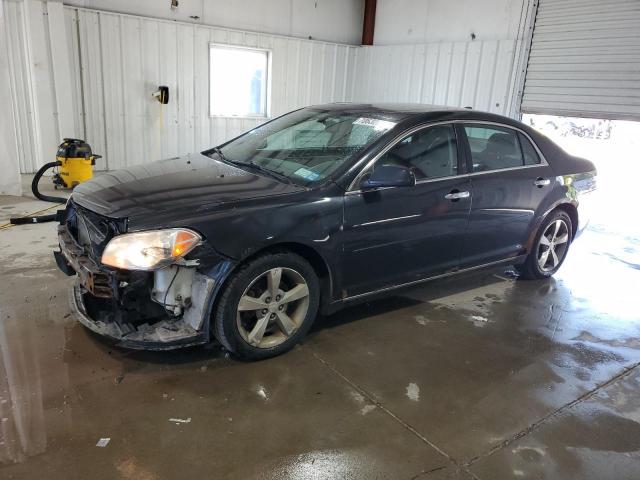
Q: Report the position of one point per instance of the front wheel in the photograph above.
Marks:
(268, 306)
(551, 246)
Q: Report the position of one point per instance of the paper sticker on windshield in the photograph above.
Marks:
(375, 123)
(307, 174)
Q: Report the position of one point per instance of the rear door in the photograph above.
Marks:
(398, 235)
(509, 181)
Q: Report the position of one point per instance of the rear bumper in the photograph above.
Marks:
(581, 190)
(585, 209)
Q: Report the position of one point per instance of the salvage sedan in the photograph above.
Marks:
(320, 208)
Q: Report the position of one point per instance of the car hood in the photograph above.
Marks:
(190, 183)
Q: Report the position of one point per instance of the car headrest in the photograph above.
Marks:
(500, 143)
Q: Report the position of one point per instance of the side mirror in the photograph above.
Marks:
(388, 176)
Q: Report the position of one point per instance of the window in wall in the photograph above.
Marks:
(238, 81)
(429, 153)
(494, 148)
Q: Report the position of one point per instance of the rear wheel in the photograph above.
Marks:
(551, 246)
(268, 306)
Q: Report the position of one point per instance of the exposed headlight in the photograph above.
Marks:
(149, 250)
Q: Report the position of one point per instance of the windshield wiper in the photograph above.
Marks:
(218, 152)
(266, 170)
(253, 165)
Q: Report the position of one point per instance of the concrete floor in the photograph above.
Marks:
(476, 377)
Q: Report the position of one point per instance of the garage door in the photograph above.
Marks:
(585, 59)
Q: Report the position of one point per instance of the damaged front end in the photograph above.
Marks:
(162, 305)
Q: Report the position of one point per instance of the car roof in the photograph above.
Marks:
(399, 112)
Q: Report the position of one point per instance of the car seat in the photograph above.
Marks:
(501, 152)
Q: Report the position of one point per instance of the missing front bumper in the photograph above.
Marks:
(72, 259)
(128, 306)
(162, 335)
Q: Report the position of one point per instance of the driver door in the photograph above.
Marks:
(399, 235)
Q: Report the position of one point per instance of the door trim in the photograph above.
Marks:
(418, 182)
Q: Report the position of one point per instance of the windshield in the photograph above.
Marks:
(306, 146)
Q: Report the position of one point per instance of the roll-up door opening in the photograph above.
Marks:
(613, 146)
(584, 60)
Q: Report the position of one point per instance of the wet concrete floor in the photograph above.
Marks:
(476, 377)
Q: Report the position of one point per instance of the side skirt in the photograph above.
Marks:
(362, 296)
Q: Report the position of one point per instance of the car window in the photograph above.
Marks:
(530, 155)
(429, 153)
(493, 148)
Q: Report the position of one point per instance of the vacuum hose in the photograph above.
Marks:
(40, 196)
(36, 180)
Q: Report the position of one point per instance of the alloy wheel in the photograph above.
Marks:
(272, 307)
(553, 245)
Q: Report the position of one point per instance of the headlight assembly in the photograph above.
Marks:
(149, 250)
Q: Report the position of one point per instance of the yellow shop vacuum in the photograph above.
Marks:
(74, 165)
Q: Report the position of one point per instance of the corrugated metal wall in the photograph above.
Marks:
(585, 59)
(124, 58)
(476, 74)
(90, 74)
(32, 80)
(115, 63)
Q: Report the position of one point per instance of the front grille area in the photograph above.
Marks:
(91, 230)
(98, 282)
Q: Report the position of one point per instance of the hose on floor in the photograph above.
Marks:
(40, 196)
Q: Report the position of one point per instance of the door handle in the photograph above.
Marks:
(455, 195)
(541, 182)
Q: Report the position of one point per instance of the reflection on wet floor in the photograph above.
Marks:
(483, 375)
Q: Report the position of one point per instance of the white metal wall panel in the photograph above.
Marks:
(114, 62)
(43, 113)
(477, 74)
(40, 72)
(61, 70)
(9, 179)
(100, 87)
(585, 59)
(124, 58)
(21, 85)
(75, 85)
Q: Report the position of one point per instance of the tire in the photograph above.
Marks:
(244, 329)
(532, 269)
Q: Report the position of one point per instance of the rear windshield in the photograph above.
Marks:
(308, 145)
